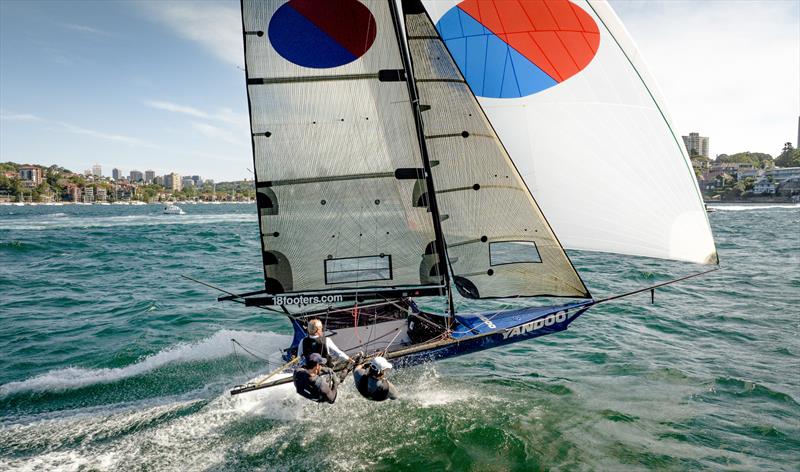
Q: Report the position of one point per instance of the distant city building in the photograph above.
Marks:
(779, 174)
(696, 145)
(87, 172)
(198, 182)
(97, 170)
(149, 176)
(764, 186)
(136, 176)
(734, 169)
(116, 174)
(187, 182)
(159, 180)
(73, 193)
(173, 182)
(31, 174)
(124, 192)
(88, 195)
(789, 187)
(745, 173)
(102, 195)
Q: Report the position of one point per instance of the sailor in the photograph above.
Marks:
(371, 381)
(315, 381)
(317, 342)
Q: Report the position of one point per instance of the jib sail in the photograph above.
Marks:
(499, 243)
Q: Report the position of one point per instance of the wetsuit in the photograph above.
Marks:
(372, 388)
(319, 388)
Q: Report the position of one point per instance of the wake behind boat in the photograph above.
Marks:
(380, 180)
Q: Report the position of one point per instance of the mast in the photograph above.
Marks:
(441, 247)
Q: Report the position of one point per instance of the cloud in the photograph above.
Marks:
(175, 108)
(27, 117)
(100, 135)
(216, 27)
(727, 69)
(19, 117)
(85, 29)
(217, 133)
(224, 115)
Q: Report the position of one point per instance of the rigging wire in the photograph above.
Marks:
(238, 300)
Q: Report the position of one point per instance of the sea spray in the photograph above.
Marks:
(219, 345)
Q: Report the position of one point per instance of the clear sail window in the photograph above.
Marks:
(358, 269)
(513, 252)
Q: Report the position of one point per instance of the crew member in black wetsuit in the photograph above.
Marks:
(317, 342)
(316, 382)
(371, 381)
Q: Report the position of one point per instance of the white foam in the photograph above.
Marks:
(777, 206)
(217, 346)
(165, 437)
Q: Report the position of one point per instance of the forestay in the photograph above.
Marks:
(568, 93)
(498, 242)
(337, 156)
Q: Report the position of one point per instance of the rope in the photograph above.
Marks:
(294, 360)
(236, 356)
(250, 351)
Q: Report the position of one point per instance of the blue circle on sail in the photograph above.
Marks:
(518, 47)
(322, 35)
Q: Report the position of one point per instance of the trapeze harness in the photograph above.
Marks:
(318, 345)
(380, 394)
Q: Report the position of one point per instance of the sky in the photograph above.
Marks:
(159, 84)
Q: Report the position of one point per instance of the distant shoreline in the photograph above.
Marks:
(752, 200)
(123, 203)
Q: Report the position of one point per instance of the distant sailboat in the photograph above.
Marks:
(380, 178)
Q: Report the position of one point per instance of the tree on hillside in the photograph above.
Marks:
(789, 157)
(757, 159)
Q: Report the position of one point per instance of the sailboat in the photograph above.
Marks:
(383, 143)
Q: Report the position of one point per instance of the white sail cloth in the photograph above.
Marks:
(600, 154)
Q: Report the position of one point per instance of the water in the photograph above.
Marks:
(111, 360)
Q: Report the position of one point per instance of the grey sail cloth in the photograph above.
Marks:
(327, 144)
(498, 242)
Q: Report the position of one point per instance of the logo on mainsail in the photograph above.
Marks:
(515, 48)
(322, 35)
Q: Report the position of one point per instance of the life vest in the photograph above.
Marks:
(318, 345)
(305, 386)
(379, 395)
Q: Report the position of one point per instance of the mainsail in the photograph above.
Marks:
(338, 164)
(568, 93)
(498, 242)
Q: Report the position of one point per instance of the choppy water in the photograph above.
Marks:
(112, 361)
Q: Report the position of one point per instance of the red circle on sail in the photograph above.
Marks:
(322, 34)
(514, 48)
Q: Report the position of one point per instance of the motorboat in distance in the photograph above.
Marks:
(173, 210)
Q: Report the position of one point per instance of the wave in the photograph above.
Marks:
(59, 222)
(18, 246)
(214, 347)
(776, 206)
